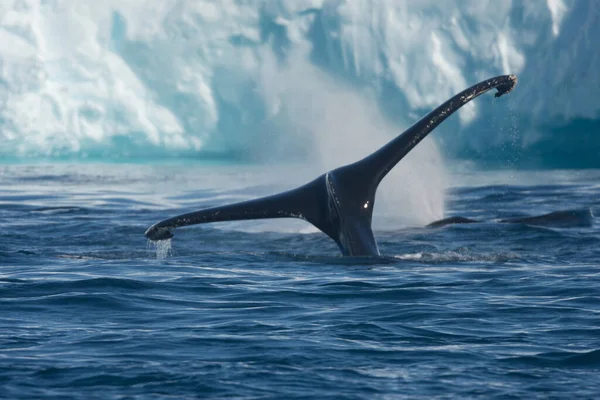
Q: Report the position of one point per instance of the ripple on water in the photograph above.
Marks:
(88, 309)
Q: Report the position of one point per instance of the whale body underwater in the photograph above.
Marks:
(577, 218)
(340, 202)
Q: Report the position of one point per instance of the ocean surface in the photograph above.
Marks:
(257, 310)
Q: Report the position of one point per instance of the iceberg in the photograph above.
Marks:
(277, 80)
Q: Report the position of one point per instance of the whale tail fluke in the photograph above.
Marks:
(340, 202)
(377, 165)
(304, 202)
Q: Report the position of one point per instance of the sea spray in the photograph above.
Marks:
(344, 124)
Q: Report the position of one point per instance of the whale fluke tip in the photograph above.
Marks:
(156, 234)
(508, 87)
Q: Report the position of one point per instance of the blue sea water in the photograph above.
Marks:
(89, 309)
(250, 97)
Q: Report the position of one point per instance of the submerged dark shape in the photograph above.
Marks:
(451, 221)
(557, 219)
(339, 202)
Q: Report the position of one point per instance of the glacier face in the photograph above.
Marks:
(276, 79)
